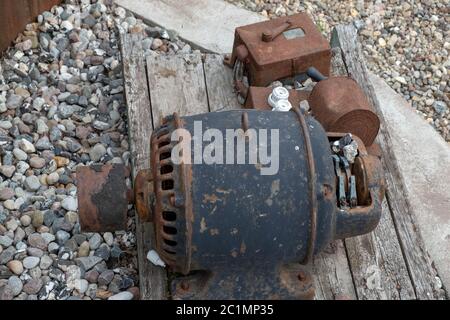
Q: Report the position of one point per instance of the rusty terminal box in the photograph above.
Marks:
(280, 48)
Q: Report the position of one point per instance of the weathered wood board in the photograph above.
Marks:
(152, 279)
(206, 24)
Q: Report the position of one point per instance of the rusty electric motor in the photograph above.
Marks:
(231, 231)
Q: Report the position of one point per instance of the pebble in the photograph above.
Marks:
(32, 183)
(124, 295)
(6, 193)
(105, 277)
(81, 285)
(15, 266)
(7, 170)
(25, 220)
(5, 241)
(52, 178)
(36, 240)
(6, 293)
(70, 203)
(33, 286)
(97, 152)
(37, 163)
(109, 238)
(26, 146)
(83, 250)
(30, 262)
(20, 154)
(45, 262)
(15, 284)
(62, 236)
(95, 241)
(88, 262)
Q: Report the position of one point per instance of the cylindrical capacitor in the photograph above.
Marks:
(340, 105)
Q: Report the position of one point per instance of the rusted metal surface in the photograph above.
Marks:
(340, 105)
(370, 187)
(102, 197)
(143, 194)
(280, 48)
(215, 223)
(312, 178)
(257, 97)
(16, 14)
(173, 205)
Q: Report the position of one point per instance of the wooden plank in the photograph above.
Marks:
(176, 84)
(16, 14)
(377, 263)
(332, 276)
(422, 274)
(219, 84)
(152, 279)
(205, 24)
(424, 158)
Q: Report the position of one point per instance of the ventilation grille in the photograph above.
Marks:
(166, 214)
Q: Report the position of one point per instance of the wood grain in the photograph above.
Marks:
(152, 279)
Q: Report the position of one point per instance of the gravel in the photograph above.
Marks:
(404, 42)
(62, 106)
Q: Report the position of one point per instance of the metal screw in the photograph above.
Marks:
(184, 285)
(301, 276)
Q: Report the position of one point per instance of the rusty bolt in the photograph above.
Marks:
(301, 276)
(184, 285)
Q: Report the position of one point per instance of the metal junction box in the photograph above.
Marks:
(280, 48)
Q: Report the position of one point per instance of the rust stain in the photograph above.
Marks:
(212, 198)
(166, 73)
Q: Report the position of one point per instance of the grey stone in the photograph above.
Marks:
(5, 241)
(43, 144)
(46, 262)
(88, 262)
(36, 240)
(440, 107)
(97, 152)
(33, 286)
(124, 295)
(30, 262)
(37, 162)
(103, 252)
(92, 276)
(14, 101)
(62, 236)
(70, 203)
(49, 217)
(20, 154)
(105, 277)
(53, 247)
(95, 241)
(6, 293)
(15, 284)
(8, 254)
(32, 183)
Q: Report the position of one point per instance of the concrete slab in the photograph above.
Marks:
(423, 158)
(205, 24)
